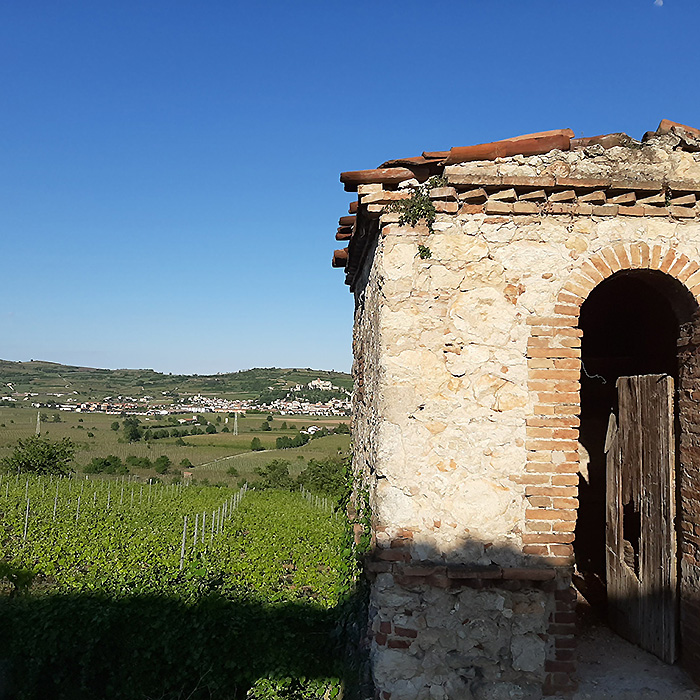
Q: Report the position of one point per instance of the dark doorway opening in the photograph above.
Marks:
(630, 324)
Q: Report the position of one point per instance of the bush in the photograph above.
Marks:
(275, 475)
(40, 455)
(161, 464)
(256, 445)
(106, 465)
(326, 477)
(142, 462)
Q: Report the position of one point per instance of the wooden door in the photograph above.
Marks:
(641, 504)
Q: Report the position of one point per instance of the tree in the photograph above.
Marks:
(161, 464)
(256, 445)
(210, 429)
(39, 455)
(275, 475)
(328, 477)
(132, 429)
(115, 425)
(185, 463)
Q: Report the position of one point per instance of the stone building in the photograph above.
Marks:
(502, 290)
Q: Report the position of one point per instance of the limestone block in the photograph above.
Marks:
(390, 665)
(397, 260)
(394, 505)
(482, 315)
(454, 245)
(528, 653)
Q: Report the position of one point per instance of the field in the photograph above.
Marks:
(211, 454)
(106, 592)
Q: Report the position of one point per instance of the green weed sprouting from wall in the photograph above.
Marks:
(418, 207)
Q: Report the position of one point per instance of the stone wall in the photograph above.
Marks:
(466, 412)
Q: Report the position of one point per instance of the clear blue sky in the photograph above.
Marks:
(169, 170)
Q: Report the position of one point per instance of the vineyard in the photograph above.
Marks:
(130, 590)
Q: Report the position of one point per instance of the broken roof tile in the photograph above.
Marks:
(666, 125)
(526, 145)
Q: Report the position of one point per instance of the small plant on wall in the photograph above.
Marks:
(419, 205)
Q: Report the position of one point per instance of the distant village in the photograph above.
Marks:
(146, 405)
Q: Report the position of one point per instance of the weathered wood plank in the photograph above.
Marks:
(641, 538)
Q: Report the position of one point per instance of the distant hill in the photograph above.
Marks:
(88, 383)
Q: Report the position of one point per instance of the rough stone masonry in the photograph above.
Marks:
(467, 401)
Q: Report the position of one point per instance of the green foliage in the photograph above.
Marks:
(424, 253)
(326, 477)
(254, 612)
(131, 429)
(115, 425)
(419, 205)
(256, 445)
(141, 462)
(161, 464)
(232, 471)
(295, 689)
(106, 465)
(38, 455)
(210, 429)
(185, 463)
(275, 475)
(284, 442)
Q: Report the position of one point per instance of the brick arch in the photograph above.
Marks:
(552, 466)
(554, 365)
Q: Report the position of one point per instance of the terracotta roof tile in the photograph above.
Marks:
(384, 176)
(527, 145)
(392, 172)
(604, 140)
(666, 125)
(340, 257)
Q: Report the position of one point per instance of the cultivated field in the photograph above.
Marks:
(211, 454)
(115, 589)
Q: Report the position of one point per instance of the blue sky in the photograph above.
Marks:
(169, 169)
